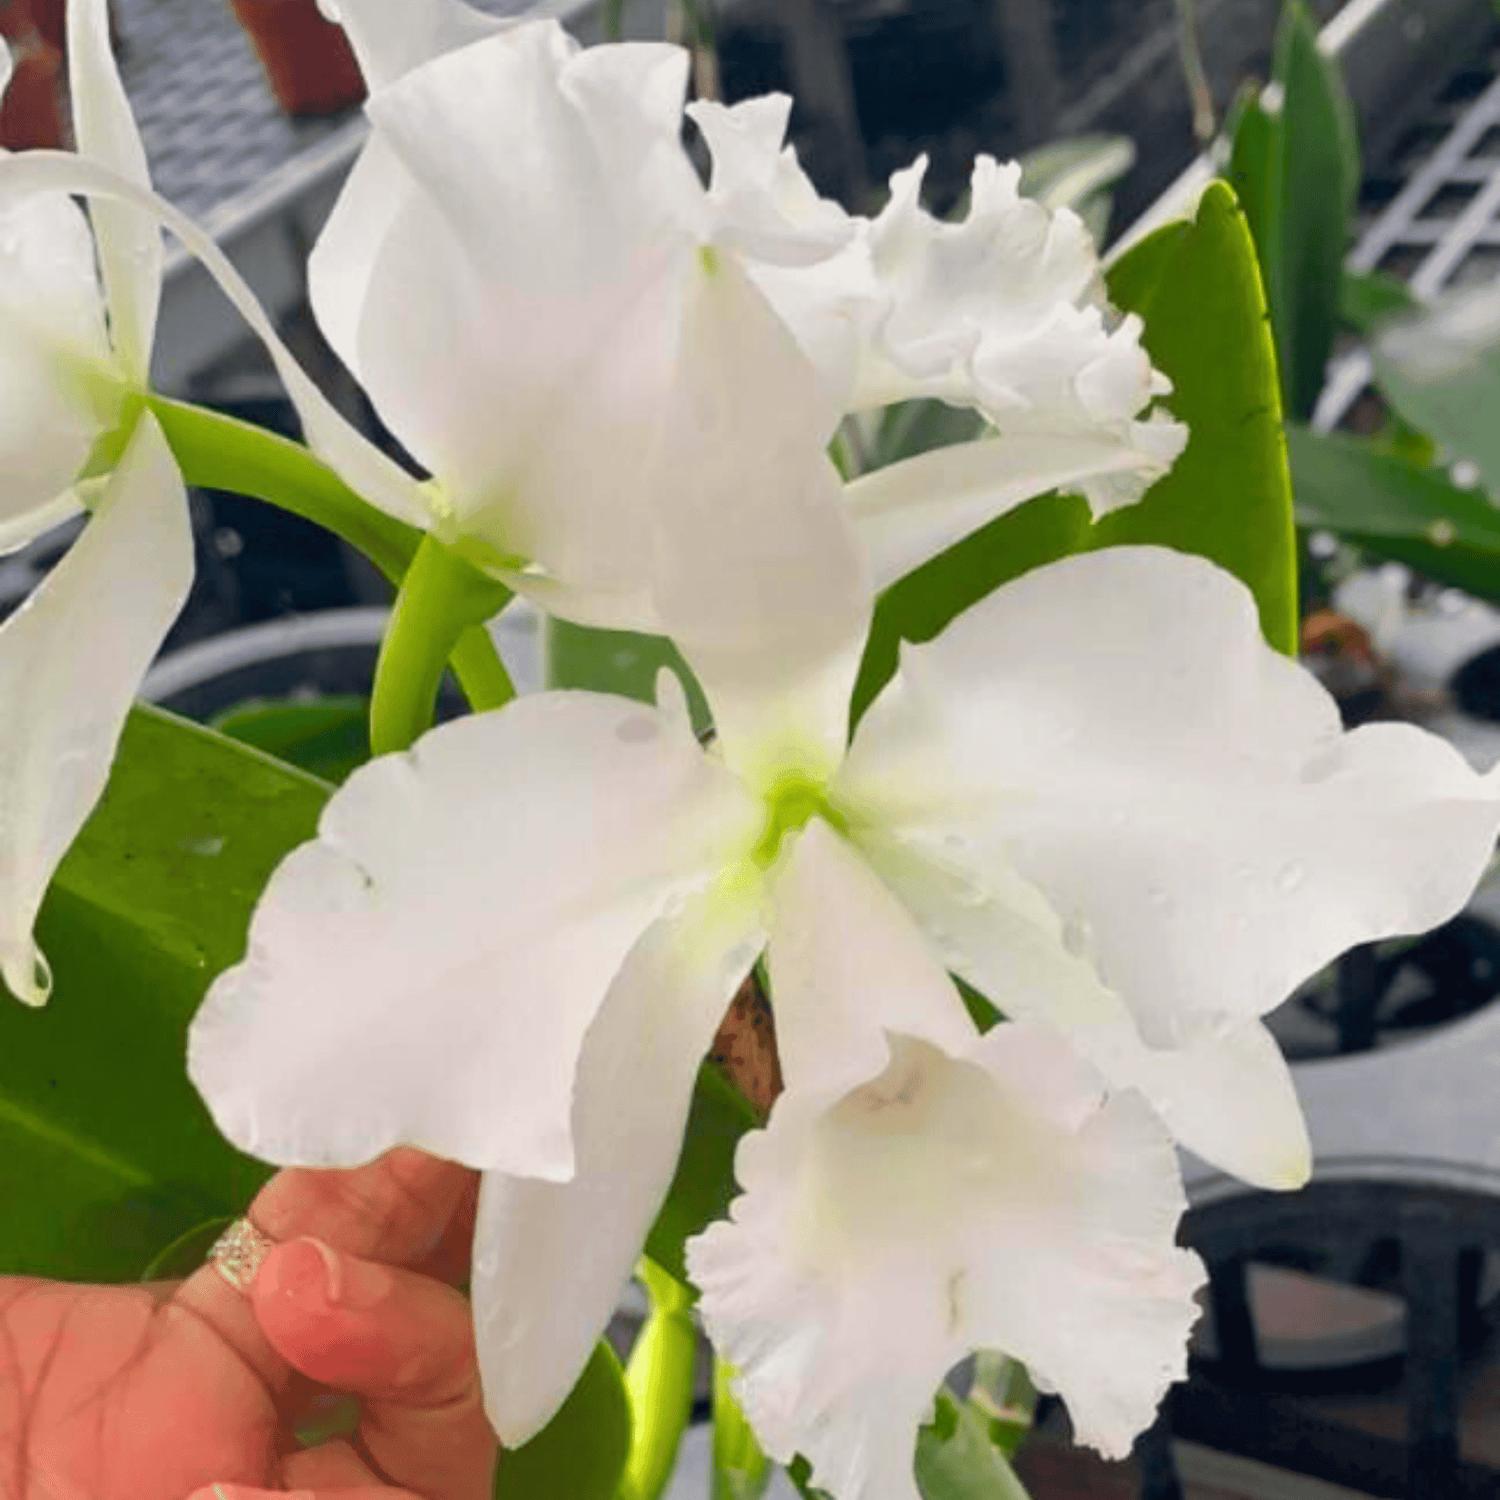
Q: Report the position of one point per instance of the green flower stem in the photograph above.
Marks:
(480, 672)
(223, 453)
(659, 1383)
(741, 1469)
(442, 602)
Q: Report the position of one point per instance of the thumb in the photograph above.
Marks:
(401, 1342)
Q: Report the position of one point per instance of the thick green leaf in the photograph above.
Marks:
(1254, 134)
(1068, 172)
(106, 1152)
(1396, 509)
(922, 603)
(956, 1460)
(704, 1182)
(615, 661)
(326, 737)
(1370, 298)
(581, 1453)
(1314, 179)
(1229, 497)
(1441, 371)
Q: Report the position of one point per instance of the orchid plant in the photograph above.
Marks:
(1017, 895)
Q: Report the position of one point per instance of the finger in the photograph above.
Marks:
(248, 1492)
(332, 1466)
(397, 1209)
(402, 1343)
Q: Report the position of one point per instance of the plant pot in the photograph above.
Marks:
(50, 17)
(29, 113)
(308, 61)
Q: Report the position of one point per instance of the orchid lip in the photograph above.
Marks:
(792, 802)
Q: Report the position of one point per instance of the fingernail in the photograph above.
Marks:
(308, 1269)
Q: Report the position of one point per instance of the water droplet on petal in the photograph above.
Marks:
(1078, 936)
(1289, 878)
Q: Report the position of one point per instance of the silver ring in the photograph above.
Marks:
(238, 1252)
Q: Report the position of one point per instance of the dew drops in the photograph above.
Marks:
(1078, 936)
(1465, 474)
(1441, 533)
(1289, 877)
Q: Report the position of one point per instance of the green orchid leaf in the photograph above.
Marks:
(1069, 172)
(187, 1252)
(704, 1181)
(1254, 135)
(106, 1152)
(616, 661)
(581, 1453)
(918, 606)
(1440, 370)
(326, 737)
(1368, 299)
(1313, 182)
(1397, 510)
(957, 1459)
(1229, 497)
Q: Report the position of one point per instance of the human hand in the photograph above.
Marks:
(122, 1393)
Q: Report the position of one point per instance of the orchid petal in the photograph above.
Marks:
(391, 37)
(758, 573)
(55, 362)
(130, 244)
(342, 261)
(848, 967)
(71, 661)
(361, 464)
(951, 1203)
(910, 511)
(1115, 730)
(551, 1259)
(1226, 1095)
(460, 917)
(514, 329)
(764, 203)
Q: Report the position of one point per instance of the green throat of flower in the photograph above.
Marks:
(790, 804)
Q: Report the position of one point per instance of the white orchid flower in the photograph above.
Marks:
(78, 309)
(922, 1192)
(1004, 312)
(505, 273)
(1099, 796)
(78, 301)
